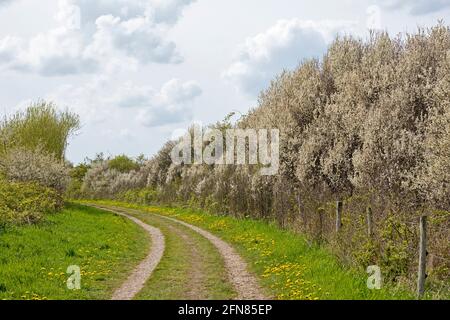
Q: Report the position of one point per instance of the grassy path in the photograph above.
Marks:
(191, 267)
(136, 281)
(34, 259)
(289, 267)
(245, 284)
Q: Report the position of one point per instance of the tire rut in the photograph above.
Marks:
(245, 284)
(196, 277)
(136, 281)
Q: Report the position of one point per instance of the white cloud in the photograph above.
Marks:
(90, 101)
(416, 7)
(58, 52)
(99, 100)
(283, 46)
(93, 35)
(172, 93)
(172, 104)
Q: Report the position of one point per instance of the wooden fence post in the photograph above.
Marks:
(339, 205)
(422, 257)
(369, 222)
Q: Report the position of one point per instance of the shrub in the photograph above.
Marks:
(433, 180)
(41, 126)
(22, 165)
(77, 174)
(98, 180)
(26, 202)
(109, 177)
(123, 164)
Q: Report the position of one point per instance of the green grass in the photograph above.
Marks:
(289, 268)
(34, 259)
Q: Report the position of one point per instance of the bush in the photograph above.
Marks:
(77, 175)
(98, 180)
(40, 126)
(22, 165)
(26, 203)
(33, 173)
(107, 178)
(123, 164)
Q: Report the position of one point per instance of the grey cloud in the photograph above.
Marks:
(138, 40)
(62, 66)
(5, 2)
(160, 11)
(416, 7)
(168, 11)
(161, 117)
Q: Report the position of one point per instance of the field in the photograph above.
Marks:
(34, 259)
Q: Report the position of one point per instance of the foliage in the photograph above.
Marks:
(123, 164)
(108, 177)
(26, 202)
(77, 174)
(23, 165)
(140, 196)
(33, 172)
(41, 126)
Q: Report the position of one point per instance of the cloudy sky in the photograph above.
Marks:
(139, 70)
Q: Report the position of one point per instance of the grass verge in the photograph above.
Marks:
(34, 259)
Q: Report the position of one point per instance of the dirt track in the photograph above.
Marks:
(244, 283)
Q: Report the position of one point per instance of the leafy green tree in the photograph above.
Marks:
(40, 126)
(123, 164)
